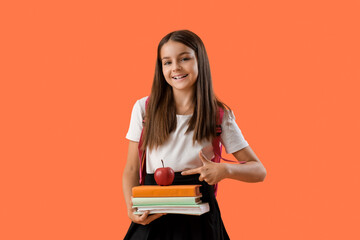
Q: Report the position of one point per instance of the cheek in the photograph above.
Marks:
(195, 70)
(165, 72)
(166, 76)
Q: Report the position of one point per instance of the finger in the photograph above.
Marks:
(201, 178)
(191, 171)
(203, 158)
(210, 183)
(144, 216)
(153, 217)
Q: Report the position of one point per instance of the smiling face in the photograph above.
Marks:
(179, 65)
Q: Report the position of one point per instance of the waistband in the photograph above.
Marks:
(178, 179)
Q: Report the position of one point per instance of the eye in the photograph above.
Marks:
(183, 59)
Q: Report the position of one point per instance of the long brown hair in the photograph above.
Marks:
(160, 119)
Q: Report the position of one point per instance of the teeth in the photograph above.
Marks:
(180, 76)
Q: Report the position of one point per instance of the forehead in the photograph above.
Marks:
(174, 49)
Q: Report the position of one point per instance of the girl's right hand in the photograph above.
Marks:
(143, 219)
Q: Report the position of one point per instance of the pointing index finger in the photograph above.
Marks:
(191, 171)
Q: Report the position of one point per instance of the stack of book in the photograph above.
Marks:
(178, 199)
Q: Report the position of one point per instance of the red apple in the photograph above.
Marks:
(164, 176)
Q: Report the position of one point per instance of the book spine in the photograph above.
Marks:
(142, 192)
(166, 200)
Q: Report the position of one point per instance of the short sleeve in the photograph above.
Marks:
(231, 136)
(137, 115)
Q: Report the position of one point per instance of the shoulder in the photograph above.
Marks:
(226, 113)
(137, 116)
(142, 102)
(139, 105)
(229, 115)
(228, 120)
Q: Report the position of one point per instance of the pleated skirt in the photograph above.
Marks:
(208, 226)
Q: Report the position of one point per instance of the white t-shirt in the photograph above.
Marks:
(178, 152)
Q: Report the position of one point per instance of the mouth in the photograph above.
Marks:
(180, 77)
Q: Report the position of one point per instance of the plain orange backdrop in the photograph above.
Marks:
(71, 71)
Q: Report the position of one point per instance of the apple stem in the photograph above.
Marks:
(162, 163)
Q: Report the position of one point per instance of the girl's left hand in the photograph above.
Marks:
(211, 172)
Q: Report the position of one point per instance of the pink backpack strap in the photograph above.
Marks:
(142, 153)
(216, 143)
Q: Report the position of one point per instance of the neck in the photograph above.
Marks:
(184, 101)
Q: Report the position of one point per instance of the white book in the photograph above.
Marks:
(196, 209)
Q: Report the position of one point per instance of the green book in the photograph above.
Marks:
(144, 201)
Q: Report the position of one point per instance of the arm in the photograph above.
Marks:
(131, 179)
(131, 173)
(212, 173)
(251, 171)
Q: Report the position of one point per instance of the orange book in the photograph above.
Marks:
(166, 191)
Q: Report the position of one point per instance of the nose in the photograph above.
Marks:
(176, 66)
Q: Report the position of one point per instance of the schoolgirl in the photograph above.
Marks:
(177, 120)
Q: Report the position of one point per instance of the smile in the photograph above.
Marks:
(180, 77)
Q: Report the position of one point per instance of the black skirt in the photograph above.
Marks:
(208, 226)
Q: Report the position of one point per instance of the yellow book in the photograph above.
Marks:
(166, 191)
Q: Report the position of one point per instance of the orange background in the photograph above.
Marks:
(71, 71)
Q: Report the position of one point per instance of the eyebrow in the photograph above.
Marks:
(179, 55)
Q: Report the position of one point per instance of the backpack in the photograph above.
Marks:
(216, 144)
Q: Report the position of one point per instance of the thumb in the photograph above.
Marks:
(203, 158)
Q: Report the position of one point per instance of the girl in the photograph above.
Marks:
(180, 119)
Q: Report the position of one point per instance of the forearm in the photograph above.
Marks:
(251, 171)
(130, 179)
